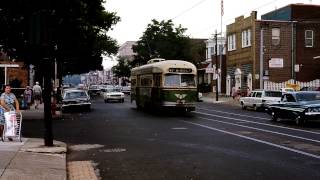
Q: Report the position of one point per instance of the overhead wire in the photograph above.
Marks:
(189, 9)
(225, 21)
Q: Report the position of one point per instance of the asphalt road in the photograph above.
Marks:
(214, 142)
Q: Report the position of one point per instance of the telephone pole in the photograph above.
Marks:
(216, 69)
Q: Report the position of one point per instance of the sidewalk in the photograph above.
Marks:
(30, 159)
(211, 98)
(36, 114)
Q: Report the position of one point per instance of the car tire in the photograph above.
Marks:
(243, 106)
(274, 116)
(299, 120)
(255, 108)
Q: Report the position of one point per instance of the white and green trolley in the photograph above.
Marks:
(169, 84)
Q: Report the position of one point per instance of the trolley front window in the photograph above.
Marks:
(179, 80)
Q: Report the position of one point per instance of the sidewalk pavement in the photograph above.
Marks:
(222, 99)
(30, 159)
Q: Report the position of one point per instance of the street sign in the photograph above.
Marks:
(9, 65)
(276, 63)
(209, 70)
(296, 68)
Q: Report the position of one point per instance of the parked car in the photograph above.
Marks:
(126, 89)
(113, 94)
(260, 99)
(94, 90)
(285, 90)
(75, 98)
(312, 88)
(299, 106)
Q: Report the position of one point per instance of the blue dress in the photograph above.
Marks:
(9, 101)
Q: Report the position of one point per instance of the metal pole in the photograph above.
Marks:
(261, 58)
(216, 57)
(5, 75)
(48, 135)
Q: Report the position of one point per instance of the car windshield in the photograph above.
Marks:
(179, 80)
(273, 94)
(308, 97)
(113, 90)
(73, 95)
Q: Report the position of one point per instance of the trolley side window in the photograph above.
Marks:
(146, 80)
(157, 80)
(133, 82)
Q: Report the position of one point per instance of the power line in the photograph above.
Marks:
(225, 21)
(185, 11)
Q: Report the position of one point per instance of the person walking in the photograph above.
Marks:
(27, 96)
(37, 94)
(7, 100)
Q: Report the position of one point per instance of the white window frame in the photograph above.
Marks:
(232, 42)
(308, 38)
(246, 38)
(274, 37)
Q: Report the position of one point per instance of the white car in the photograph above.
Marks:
(259, 99)
(285, 90)
(113, 94)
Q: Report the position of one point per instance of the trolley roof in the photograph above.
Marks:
(163, 66)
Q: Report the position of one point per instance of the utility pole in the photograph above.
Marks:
(216, 70)
(261, 58)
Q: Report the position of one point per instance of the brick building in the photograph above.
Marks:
(241, 55)
(290, 41)
(305, 24)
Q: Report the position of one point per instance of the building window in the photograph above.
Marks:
(246, 38)
(275, 36)
(308, 38)
(232, 42)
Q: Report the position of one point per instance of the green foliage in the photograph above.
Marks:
(162, 39)
(73, 31)
(122, 69)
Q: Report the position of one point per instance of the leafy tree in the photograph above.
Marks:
(73, 31)
(122, 69)
(162, 39)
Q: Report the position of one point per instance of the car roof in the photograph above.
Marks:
(75, 90)
(303, 92)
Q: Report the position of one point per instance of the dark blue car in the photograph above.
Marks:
(299, 106)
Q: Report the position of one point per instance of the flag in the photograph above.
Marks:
(222, 11)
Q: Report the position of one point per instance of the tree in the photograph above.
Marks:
(162, 39)
(72, 31)
(122, 69)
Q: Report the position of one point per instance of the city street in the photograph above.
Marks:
(217, 141)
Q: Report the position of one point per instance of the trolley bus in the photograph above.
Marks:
(164, 84)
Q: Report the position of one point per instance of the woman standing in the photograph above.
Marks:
(7, 100)
(27, 96)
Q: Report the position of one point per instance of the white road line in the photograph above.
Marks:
(253, 122)
(234, 114)
(256, 140)
(264, 130)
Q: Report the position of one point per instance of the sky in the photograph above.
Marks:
(200, 17)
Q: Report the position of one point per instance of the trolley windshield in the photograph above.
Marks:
(179, 80)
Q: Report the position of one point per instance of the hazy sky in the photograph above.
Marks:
(200, 17)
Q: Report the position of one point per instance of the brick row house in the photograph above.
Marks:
(290, 41)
